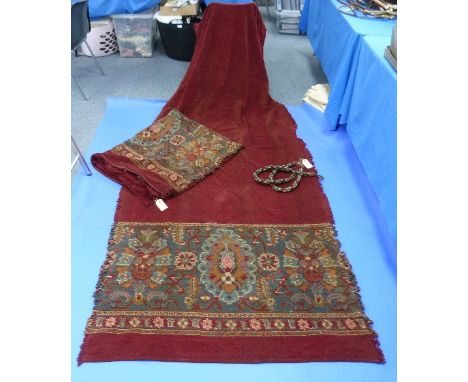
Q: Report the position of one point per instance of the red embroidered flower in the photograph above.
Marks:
(138, 298)
(268, 262)
(177, 140)
(156, 128)
(185, 261)
(195, 153)
(350, 324)
(227, 263)
(142, 266)
(141, 271)
(303, 324)
(310, 268)
(158, 322)
(255, 324)
(207, 324)
(110, 322)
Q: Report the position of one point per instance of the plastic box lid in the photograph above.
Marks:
(149, 14)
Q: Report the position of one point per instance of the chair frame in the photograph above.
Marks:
(74, 52)
(80, 157)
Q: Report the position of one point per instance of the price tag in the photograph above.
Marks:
(306, 163)
(160, 204)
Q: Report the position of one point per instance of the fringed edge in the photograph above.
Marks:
(357, 290)
(353, 280)
(118, 206)
(104, 266)
(311, 160)
(82, 348)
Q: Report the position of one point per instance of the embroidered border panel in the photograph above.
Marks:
(226, 280)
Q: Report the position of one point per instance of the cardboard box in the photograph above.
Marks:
(186, 10)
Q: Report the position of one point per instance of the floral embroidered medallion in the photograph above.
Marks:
(222, 279)
(227, 266)
(178, 149)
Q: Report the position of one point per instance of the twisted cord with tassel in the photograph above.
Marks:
(295, 177)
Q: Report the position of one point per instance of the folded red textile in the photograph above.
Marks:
(166, 158)
(232, 271)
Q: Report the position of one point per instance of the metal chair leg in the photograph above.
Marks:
(79, 88)
(267, 3)
(94, 57)
(81, 159)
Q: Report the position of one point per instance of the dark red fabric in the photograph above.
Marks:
(144, 184)
(226, 89)
(130, 347)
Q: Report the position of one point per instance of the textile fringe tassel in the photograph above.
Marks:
(108, 260)
(354, 284)
(311, 160)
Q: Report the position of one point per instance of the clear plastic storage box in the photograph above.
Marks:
(135, 33)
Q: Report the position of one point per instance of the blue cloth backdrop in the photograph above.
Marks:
(335, 38)
(102, 8)
(303, 21)
(363, 90)
(372, 121)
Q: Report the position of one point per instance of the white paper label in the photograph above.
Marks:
(160, 204)
(306, 163)
(179, 26)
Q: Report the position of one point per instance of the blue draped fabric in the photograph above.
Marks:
(363, 90)
(303, 21)
(372, 121)
(335, 38)
(102, 8)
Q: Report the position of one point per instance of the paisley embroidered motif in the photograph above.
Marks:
(227, 266)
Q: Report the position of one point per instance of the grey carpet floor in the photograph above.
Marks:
(292, 70)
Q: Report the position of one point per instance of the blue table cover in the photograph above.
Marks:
(304, 20)
(102, 8)
(335, 38)
(372, 123)
(363, 90)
